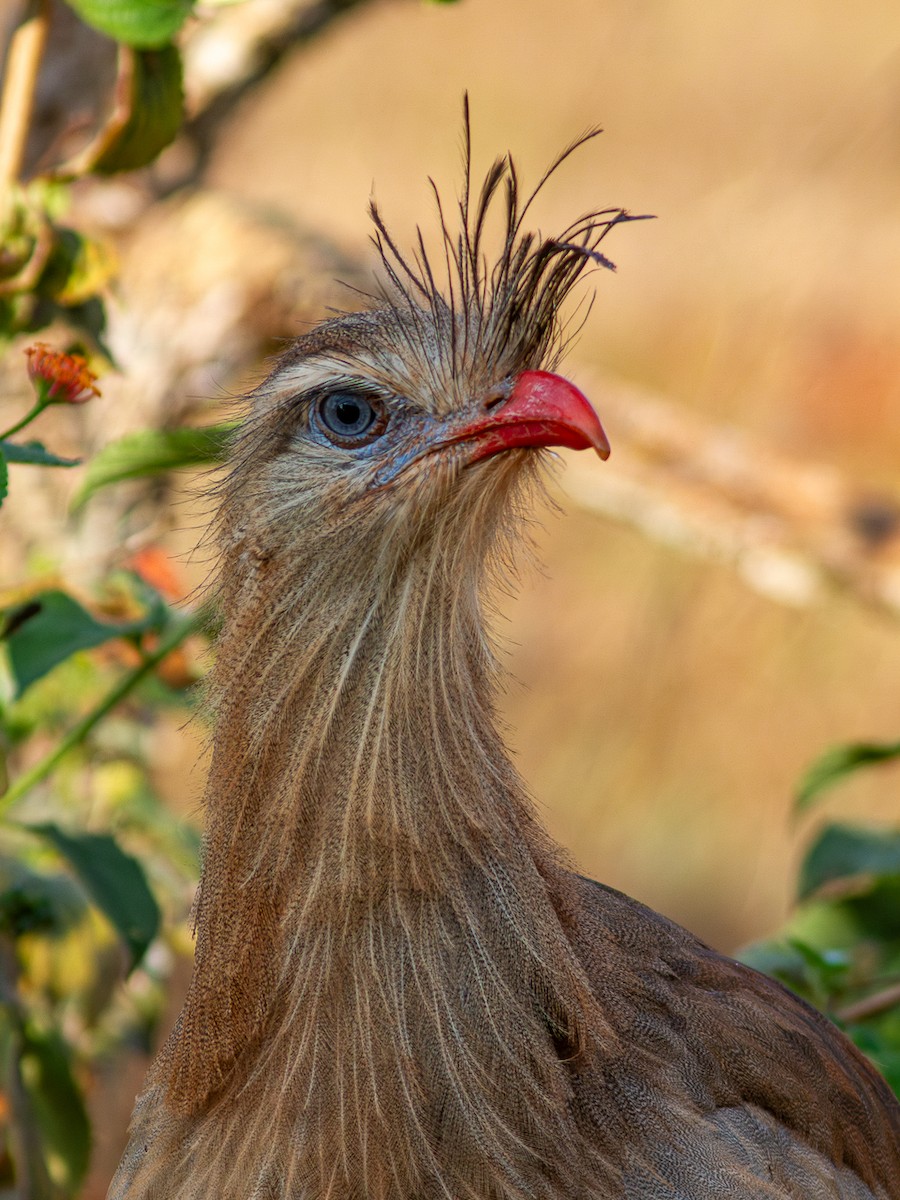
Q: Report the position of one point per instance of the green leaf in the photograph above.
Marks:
(77, 269)
(876, 911)
(49, 628)
(849, 860)
(145, 23)
(151, 452)
(37, 902)
(4, 474)
(114, 880)
(828, 967)
(36, 453)
(137, 592)
(815, 973)
(56, 1104)
(838, 762)
(149, 116)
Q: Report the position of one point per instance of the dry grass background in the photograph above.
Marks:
(662, 712)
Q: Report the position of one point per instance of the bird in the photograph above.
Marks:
(402, 988)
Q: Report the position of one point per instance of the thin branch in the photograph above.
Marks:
(871, 1006)
(236, 48)
(23, 61)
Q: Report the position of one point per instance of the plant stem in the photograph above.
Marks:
(32, 1178)
(22, 62)
(39, 772)
(26, 420)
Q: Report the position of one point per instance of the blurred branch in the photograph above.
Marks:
(792, 530)
(20, 78)
(232, 50)
(871, 1006)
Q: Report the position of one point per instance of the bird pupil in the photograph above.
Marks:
(348, 412)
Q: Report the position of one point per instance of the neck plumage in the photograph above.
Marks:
(380, 973)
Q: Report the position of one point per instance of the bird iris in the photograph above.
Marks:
(349, 418)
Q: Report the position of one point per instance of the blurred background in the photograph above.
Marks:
(665, 697)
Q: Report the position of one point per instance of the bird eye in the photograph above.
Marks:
(349, 418)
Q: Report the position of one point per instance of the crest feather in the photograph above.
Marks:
(506, 313)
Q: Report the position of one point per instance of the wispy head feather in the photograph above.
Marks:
(504, 312)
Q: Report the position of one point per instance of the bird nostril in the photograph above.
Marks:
(497, 395)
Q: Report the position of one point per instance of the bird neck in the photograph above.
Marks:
(364, 754)
(374, 882)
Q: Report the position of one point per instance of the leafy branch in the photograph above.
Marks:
(841, 946)
(179, 632)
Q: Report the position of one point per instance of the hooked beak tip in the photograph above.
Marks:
(542, 409)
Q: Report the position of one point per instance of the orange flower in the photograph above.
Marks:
(155, 567)
(63, 378)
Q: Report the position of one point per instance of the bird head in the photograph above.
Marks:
(402, 436)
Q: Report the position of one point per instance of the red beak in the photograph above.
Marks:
(542, 410)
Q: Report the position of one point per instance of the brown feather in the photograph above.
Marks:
(400, 990)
